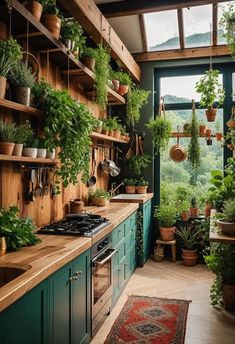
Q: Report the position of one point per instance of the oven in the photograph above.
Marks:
(102, 281)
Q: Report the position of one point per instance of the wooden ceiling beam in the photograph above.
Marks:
(214, 25)
(128, 8)
(143, 33)
(189, 53)
(181, 28)
(95, 24)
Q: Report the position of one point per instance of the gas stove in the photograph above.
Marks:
(76, 224)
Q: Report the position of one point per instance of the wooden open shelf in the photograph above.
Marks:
(103, 137)
(19, 107)
(23, 159)
(183, 135)
(42, 40)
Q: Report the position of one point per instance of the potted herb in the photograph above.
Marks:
(89, 58)
(136, 98)
(98, 126)
(50, 153)
(100, 198)
(184, 210)
(30, 149)
(18, 232)
(211, 91)
(208, 132)
(23, 131)
(113, 125)
(22, 78)
(161, 129)
(7, 137)
(194, 147)
(10, 54)
(41, 148)
(202, 129)
(140, 162)
(71, 33)
(124, 82)
(105, 129)
(231, 122)
(193, 208)
(141, 186)
(218, 133)
(186, 128)
(130, 185)
(221, 261)
(227, 23)
(102, 70)
(35, 7)
(166, 215)
(190, 240)
(50, 18)
(227, 222)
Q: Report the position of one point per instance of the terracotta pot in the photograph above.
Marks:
(117, 134)
(52, 23)
(141, 189)
(6, 148)
(18, 148)
(208, 132)
(190, 257)
(30, 152)
(111, 133)
(130, 189)
(211, 114)
(167, 233)
(105, 132)
(231, 124)
(218, 136)
(100, 202)
(123, 89)
(207, 212)
(202, 130)
(3, 85)
(23, 95)
(208, 205)
(231, 147)
(50, 155)
(89, 62)
(76, 205)
(41, 153)
(98, 130)
(193, 212)
(116, 85)
(3, 246)
(226, 227)
(35, 8)
(185, 215)
(228, 293)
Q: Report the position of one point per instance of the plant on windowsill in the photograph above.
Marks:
(194, 147)
(7, 137)
(138, 163)
(193, 208)
(98, 125)
(51, 19)
(36, 7)
(211, 92)
(166, 215)
(141, 186)
(130, 185)
(99, 198)
(227, 23)
(221, 261)
(184, 210)
(10, 54)
(136, 99)
(161, 129)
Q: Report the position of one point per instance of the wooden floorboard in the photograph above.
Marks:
(205, 325)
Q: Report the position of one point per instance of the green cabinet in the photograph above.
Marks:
(145, 234)
(124, 260)
(57, 311)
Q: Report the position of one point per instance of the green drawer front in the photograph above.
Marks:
(118, 234)
(121, 251)
(130, 223)
(130, 240)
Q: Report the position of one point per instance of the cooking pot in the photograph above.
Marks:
(107, 165)
(177, 153)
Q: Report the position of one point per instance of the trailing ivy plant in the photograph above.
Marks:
(68, 125)
(139, 163)
(161, 129)
(227, 23)
(102, 73)
(194, 147)
(139, 234)
(136, 98)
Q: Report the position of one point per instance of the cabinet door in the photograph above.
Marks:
(81, 300)
(25, 322)
(60, 306)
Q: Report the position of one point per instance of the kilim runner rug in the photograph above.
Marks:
(150, 320)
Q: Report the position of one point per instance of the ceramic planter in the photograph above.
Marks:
(141, 189)
(98, 130)
(6, 148)
(193, 212)
(3, 246)
(185, 216)
(211, 114)
(190, 257)
(53, 24)
(50, 155)
(35, 8)
(226, 227)
(231, 124)
(130, 189)
(18, 148)
(208, 132)
(117, 134)
(30, 152)
(167, 233)
(123, 89)
(3, 84)
(23, 95)
(218, 136)
(116, 85)
(228, 294)
(202, 130)
(100, 202)
(89, 62)
(41, 153)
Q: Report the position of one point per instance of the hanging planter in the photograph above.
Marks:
(51, 18)
(35, 7)
(194, 147)
(231, 122)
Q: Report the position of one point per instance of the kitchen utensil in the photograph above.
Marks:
(46, 188)
(177, 153)
(137, 152)
(92, 180)
(130, 153)
(115, 171)
(141, 149)
(53, 186)
(37, 187)
(32, 196)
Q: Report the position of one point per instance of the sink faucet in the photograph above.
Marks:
(114, 189)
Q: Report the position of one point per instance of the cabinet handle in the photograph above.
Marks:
(78, 273)
(72, 278)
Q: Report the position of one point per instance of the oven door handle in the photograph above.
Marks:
(102, 262)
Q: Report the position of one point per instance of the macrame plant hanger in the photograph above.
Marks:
(9, 6)
(210, 68)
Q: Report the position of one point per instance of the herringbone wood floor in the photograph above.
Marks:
(205, 325)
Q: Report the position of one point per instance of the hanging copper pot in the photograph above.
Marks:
(177, 153)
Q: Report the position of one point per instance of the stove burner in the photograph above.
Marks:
(76, 224)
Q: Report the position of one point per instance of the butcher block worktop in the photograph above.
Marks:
(54, 252)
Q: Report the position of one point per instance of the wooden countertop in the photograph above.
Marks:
(142, 198)
(54, 252)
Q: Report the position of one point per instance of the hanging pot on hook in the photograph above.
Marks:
(177, 153)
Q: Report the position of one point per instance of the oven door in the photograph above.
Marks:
(101, 280)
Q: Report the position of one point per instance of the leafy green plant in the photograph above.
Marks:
(100, 194)
(227, 24)
(102, 70)
(7, 131)
(194, 147)
(10, 54)
(229, 210)
(210, 89)
(23, 133)
(183, 206)
(50, 7)
(142, 182)
(18, 232)
(139, 234)
(166, 214)
(21, 75)
(122, 77)
(193, 202)
(161, 129)
(136, 98)
(89, 52)
(72, 30)
(112, 123)
(139, 162)
(221, 261)
(129, 182)
(189, 237)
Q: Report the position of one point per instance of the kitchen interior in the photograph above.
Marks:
(111, 229)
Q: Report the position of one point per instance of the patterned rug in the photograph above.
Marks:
(150, 320)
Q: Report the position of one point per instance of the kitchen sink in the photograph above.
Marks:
(127, 197)
(9, 273)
